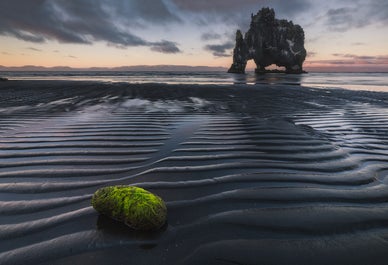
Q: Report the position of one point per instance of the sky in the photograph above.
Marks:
(346, 35)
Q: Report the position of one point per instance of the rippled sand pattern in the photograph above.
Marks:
(274, 175)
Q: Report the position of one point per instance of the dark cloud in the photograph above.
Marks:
(82, 21)
(154, 11)
(34, 21)
(288, 8)
(338, 17)
(378, 11)
(213, 5)
(236, 14)
(210, 36)
(221, 6)
(342, 19)
(165, 47)
(220, 50)
(19, 34)
(359, 14)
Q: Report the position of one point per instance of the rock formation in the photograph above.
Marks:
(136, 207)
(270, 41)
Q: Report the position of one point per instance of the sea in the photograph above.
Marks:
(353, 81)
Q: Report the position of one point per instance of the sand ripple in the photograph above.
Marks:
(246, 174)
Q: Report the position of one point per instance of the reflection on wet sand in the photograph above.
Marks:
(247, 172)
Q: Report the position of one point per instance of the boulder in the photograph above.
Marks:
(269, 41)
(136, 207)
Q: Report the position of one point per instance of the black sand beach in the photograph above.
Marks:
(250, 174)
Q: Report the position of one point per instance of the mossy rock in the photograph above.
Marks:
(136, 207)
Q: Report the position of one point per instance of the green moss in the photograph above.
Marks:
(136, 207)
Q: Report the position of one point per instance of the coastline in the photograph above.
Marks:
(247, 172)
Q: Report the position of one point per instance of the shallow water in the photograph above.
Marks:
(353, 81)
(250, 175)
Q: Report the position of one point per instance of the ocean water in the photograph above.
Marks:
(353, 81)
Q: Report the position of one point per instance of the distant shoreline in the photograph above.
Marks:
(249, 71)
(164, 68)
(156, 68)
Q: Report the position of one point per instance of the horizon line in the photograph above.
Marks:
(161, 67)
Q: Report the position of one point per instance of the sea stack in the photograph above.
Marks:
(270, 41)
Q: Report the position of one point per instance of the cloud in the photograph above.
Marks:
(357, 15)
(83, 21)
(342, 19)
(358, 44)
(363, 62)
(222, 6)
(33, 49)
(291, 8)
(165, 47)
(378, 11)
(337, 62)
(234, 14)
(220, 50)
(20, 34)
(210, 36)
(131, 23)
(149, 11)
(362, 59)
(237, 13)
(214, 5)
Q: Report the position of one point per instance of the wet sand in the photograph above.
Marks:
(251, 175)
